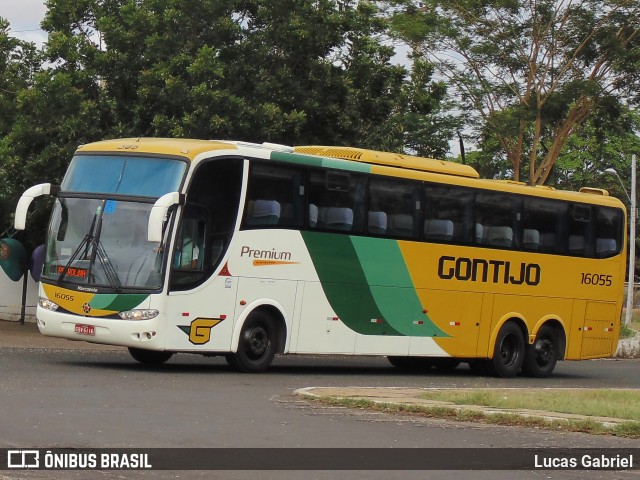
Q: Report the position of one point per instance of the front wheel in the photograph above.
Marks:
(540, 358)
(257, 345)
(149, 357)
(508, 353)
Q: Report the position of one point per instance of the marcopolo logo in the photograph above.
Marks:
(493, 271)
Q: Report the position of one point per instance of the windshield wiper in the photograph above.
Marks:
(90, 243)
(86, 242)
(107, 266)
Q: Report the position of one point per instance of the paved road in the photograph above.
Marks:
(56, 394)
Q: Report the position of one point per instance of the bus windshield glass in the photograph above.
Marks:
(102, 243)
(124, 175)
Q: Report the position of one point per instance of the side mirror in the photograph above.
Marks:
(27, 197)
(159, 214)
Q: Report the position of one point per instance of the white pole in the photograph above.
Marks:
(632, 243)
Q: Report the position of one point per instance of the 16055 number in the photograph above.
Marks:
(597, 279)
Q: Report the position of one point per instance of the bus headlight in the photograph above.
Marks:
(138, 314)
(47, 304)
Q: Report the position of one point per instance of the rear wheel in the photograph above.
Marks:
(540, 358)
(508, 353)
(257, 345)
(149, 357)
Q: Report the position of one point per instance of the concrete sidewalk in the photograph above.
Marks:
(413, 397)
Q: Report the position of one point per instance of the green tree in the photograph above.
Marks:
(601, 142)
(292, 71)
(19, 63)
(528, 73)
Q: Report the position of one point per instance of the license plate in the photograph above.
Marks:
(83, 329)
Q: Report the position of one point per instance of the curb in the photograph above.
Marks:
(411, 397)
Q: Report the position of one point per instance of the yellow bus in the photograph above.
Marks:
(248, 251)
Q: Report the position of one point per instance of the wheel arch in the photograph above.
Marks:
(275, 312)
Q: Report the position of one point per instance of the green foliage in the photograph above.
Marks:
(528, 74)
(19, 63)
(292, 71)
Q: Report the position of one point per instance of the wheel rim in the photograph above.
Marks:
(545, 352)
(256, 342)
(509, 350)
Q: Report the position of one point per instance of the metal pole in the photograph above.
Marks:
(632, 243)
(23, 307)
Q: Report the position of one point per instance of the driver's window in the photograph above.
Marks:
(188, 258)
(190, 245)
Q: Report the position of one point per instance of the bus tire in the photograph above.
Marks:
(508, 353)
(257, 345)
(149, 357)
(541, 357)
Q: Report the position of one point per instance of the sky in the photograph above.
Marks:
(24, 17)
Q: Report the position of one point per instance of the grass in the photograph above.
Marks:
(620, 404)
(628, 331)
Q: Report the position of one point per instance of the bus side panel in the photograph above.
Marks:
(598, 331)
(202, 319)
(574, 334)
(383, 345)
(320, 329)
(593, 330)
(484, 334)
(456, 313)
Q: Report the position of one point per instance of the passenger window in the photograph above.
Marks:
(275, 197)
(336, 201)
(542, 225)
(609, 226)
(448, 214)
(496, 216)
(579, 231)
(393, 208)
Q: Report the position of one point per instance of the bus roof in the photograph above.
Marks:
(391, 159)
(384, 162)
(187, 148)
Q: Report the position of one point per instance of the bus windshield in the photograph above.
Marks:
(102, 243)
(123, 175)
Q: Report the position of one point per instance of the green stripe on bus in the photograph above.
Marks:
(117, 302)
(392, 288)
(345, 284)
(337, 164)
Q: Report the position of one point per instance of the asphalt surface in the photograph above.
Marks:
(57, 393)
(16, 335)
